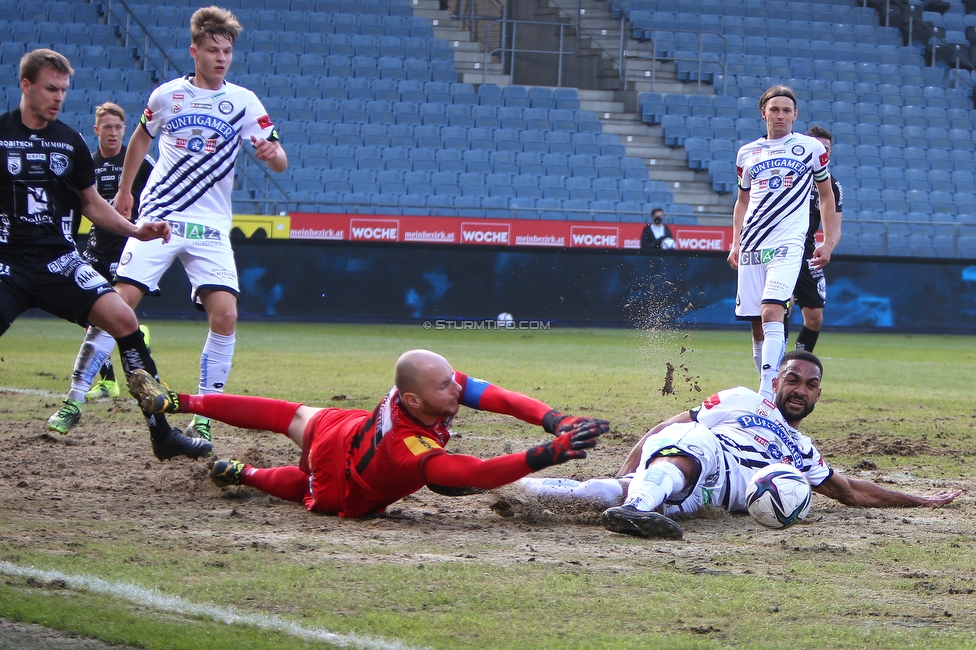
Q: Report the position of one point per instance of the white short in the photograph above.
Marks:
(722, 481)
(766, 276)
(209, 263)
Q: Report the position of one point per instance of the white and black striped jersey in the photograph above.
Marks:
(779, 175)
(754, 434)
(201, 135)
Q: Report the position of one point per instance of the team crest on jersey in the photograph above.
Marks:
(225, 107)
(58, 163)
(798, 150)
(14, 164)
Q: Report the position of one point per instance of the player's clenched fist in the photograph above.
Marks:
(566, 447)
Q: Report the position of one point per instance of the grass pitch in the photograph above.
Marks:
(99, 539)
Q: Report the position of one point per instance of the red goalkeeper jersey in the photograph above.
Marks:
(360, 462)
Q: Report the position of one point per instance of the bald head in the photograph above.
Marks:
(415, 368)
(425, 381)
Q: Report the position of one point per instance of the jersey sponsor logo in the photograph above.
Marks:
(593, 237)
(712, 402)
(147, 115)
(178, 97)
(824, 158)
(777, 163)
(193, 231)
(764, 256)
(177, 107)
(420, 445)
(264, 121)
(225, 107)
(783, 435)
(58, 163)
(41, 157)
(798, 150)
(88, 278)
(14, 163)
(485, 233)
(205, 107)
(66, 261)
(197, 122)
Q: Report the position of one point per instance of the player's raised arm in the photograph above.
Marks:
(858, 492)
(484, 396)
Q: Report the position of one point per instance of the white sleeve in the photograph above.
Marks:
(740, 170)
(257, 122)
(152, 117)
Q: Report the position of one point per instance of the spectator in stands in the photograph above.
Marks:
(656, 235)
(204, 121)
(103, 252)
(48, 176)
(810, 293)
(776, 174)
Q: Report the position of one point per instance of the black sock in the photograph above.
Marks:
(807, 339)
(135, 356)
(107, 371)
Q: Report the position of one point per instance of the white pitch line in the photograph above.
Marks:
(229, 615)
(30, 391)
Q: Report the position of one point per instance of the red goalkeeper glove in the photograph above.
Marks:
(557, 423)
(565, 447)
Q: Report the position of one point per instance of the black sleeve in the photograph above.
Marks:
(667, 232)
(139, 183)
(694, 413)
(83, 172)
(838, 195)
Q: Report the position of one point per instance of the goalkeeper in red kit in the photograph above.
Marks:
(355, 463)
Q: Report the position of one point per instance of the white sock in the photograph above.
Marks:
(96, 348)
(650, 488)
(215, 363)
(548, 488)
(757, 355)
(604, 492)
(773, 349)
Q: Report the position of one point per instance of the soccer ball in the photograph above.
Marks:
(778, 496)
(505, 320)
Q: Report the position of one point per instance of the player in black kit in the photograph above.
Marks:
(810, 293)
(103, 252)
(47, 177)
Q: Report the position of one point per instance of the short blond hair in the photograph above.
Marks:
(213, 21)
(109, 108)
(34, 61)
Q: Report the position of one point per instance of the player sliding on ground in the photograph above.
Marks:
(355, 463)
(707, 455)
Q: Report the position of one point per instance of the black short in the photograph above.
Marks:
(104, 267)
(66, 287)
(811, 287)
